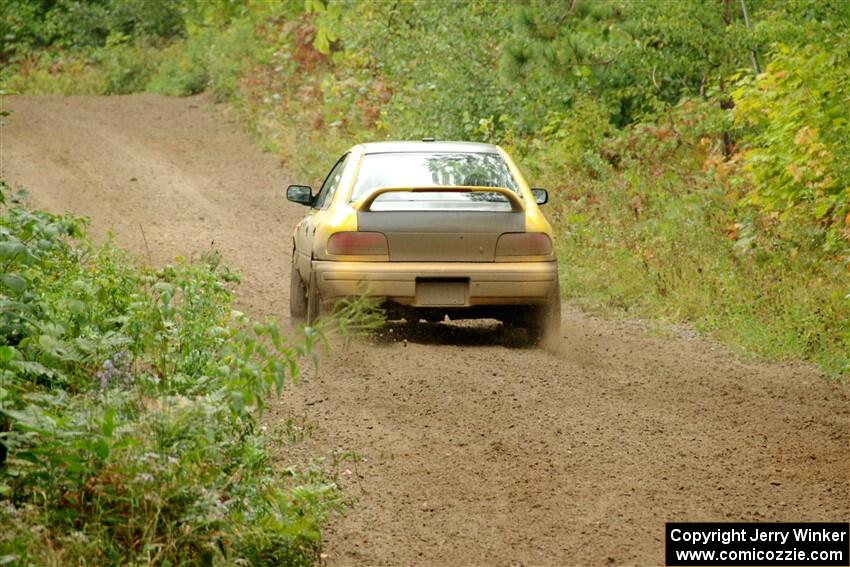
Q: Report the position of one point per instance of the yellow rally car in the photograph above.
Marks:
(431, 229)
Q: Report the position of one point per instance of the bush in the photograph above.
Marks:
(60, 74)
(129, 406)
(182, 72)
(28, 25)
(798, 150)
(116, 69)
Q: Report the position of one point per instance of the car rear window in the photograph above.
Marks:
(421, 169)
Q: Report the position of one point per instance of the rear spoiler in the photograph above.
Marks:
(364, 204)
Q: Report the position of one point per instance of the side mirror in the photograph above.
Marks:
(301, 194)
(541, 196)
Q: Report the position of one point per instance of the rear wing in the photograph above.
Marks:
(364, 204)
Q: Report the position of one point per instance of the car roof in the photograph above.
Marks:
(427, 146)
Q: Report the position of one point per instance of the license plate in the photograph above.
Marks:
(441, 293)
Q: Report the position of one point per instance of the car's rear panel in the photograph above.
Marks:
(431, 284)
(441, 236)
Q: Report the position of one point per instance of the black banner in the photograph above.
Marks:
(763, 544)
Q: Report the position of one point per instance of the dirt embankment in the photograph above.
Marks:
(471, 451)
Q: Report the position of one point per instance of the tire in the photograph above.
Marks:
(297, 294)
(314, 302)
(543, 322)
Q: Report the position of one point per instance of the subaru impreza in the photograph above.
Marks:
(430, 229)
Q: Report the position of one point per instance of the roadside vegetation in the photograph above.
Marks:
(697, 153)
(130, 405)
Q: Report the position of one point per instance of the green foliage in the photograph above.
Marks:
(658, 235)
(633, 57)
(129, 407)
(201, 55)
(417, 46)
(208, 59)
(183, 70)
(798, 151)
(567, 141)
(26, 25)
(120, 68)
(62, 75)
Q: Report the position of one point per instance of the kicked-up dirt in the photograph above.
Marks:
(470, 450)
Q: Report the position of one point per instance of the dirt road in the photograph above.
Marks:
(472, 451)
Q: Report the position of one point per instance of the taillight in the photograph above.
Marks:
(358, 244)
(524, 244)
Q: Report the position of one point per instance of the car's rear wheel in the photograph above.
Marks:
(543, 322)
(297, 294)
(314, 301)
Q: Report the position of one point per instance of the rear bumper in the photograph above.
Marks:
(489, 283)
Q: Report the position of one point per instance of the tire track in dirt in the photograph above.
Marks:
(472, 451)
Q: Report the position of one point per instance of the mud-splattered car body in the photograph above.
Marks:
(430, 228)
